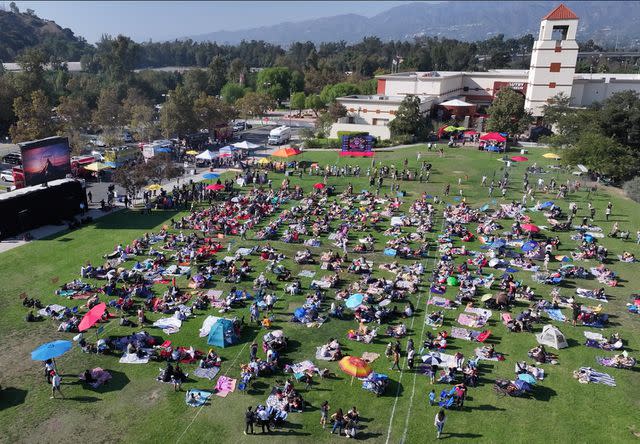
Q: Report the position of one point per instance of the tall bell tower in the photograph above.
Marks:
(553, 59)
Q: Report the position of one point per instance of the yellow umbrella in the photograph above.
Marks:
(551, 156)
(154, 187)
(97, 166)
(263, 161)
(192, 153)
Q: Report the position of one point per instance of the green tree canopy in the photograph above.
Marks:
(298, 101)
(231, 92)
(410, 120)
(276, 82)
(507, 113)
(35, 118)
(177, 116)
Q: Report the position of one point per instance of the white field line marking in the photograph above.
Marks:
(200, 409)
(395, 402)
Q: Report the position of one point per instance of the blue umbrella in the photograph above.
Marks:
(163, 150)
(354, 300)
(211, 175)
(529, 246)
(522, 385)
(547, 204)
(498, 243)
(299, 313)
(485, 207)
(51, 350)
(526, 377)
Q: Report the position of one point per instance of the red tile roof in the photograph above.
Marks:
(561, 13)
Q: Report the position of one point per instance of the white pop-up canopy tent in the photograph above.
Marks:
(207, 155)
(244, 145)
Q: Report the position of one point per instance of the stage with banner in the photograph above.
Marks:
(357, 145)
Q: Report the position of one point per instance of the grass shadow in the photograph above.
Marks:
(11, 397)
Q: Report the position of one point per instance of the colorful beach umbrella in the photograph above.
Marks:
(356, 367)
(563, 258)
(519, 158)
(154, 187)
(452, 281)
(211, 175)
(485, 297)
(192, 153)
(551, 156)
(263, 161)
(529, 246)
(319, 186)
(530, 228)
(92, 316)
(215, 187)
(51, 350)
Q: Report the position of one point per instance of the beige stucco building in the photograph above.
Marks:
(552, 71)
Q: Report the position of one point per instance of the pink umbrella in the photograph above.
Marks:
(215, 187)
(519, 158)
(318, 186)
(530, 227)
(93, 316)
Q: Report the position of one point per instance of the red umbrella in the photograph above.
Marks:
(319, 186)
(215, 187)
(530, 227)
(496, 137)
(93, 316)
(519, 158)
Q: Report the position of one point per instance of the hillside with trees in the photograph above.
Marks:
(22, 30)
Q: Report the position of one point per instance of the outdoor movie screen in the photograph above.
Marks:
(357, 144)
(45, 160)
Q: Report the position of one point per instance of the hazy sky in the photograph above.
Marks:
(162, 20)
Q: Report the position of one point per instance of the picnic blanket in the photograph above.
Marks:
(441, 302)
(329, 356)
(555, 314)
(370, 356)
(133, 359)
(307, 273)
(303, 366)
(273, 401)
(200, 399)
(587, 374)
(99, 376)
(479, 311)
(469, 335)
(471, 320)
(168, 325)
(589, 294)
(207, 373)
(225, 386)
(481, 355)
(244, 251)
(53, 307)
(446, 361)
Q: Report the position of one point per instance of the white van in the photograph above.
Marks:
(279, 135)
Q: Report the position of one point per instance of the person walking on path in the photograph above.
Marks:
(249, 418)
(439, 421)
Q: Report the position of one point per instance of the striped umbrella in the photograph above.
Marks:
(356, 367)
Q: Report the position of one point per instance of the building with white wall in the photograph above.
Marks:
(552, 71)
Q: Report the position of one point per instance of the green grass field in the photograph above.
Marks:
(133, 407)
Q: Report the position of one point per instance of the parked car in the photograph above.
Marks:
(13, 159)
(6, 175)
(241, 126)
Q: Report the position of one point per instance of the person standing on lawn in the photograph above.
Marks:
(249, 418)
(55, 385)
(324, 414)
(439, 421)
(396, 361)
